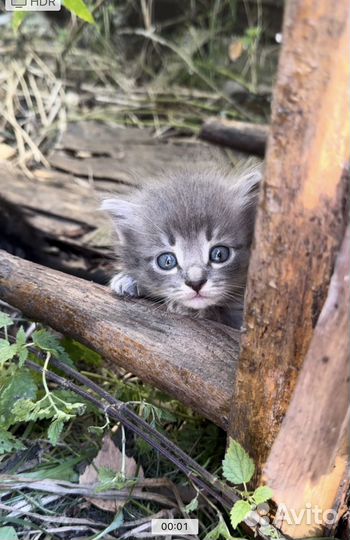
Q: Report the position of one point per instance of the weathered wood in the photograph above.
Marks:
(57, 222)
(243, 136)
(300, 221)
(58, 195)
(127, 155)
(309, 457)
(192, 360)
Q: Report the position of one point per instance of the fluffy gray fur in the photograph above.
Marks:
(187, 213)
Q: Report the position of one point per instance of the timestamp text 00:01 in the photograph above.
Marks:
(162, 527)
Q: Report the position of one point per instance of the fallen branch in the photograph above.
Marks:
(194, 361)
(250, 138)
(60, 487)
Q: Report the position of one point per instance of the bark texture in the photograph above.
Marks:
(243, 136)
(300, 220)
(308, 461)
(194, 361)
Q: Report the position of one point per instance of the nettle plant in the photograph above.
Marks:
(22, 397)
(238, 468)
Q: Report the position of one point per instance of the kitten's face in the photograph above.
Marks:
(187, 241)
(197, 272)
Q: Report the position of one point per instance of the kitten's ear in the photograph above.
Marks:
(121, 212)
(248, 183)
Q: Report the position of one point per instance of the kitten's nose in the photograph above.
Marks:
(195, 285)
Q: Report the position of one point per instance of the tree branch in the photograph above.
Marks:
(192, 360)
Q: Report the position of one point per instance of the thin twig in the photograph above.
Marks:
(67, 488)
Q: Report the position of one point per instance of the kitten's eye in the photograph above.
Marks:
(219, 254)
(167, 261)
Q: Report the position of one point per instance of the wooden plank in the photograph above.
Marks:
(310, 454)
(59, 196)
(192, 360)
(300, 220)
(127, 155)
(102, 139)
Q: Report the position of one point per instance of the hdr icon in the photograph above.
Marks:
(32, 5)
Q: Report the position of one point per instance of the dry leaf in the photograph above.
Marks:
(6, 151)
(235, 49)
(110, 457)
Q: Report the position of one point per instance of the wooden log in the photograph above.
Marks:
(192, 360)
(300, 219)
(243, 136)
(309, 457)
(124, 155)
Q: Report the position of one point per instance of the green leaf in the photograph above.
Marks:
(262, 494)
(110, 479)
(192, 505)
(70, 405)
(22, 356)
(79, 352)
(117, 522)
(8, 443)
(79, 8)
(21, 337)
(220, 531)
(239, 512)
(238, 467)
(8, 533)
(7, 351)
(54, 431)
(105, 474)
(21, 388)
(22, 350)
(17, 19)
(48, 342)
(5, 320)
(22, 409)
(62, 471)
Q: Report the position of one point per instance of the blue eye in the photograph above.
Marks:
(219, 254)
(166, 261)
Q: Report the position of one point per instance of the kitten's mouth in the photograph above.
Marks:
(198, 301)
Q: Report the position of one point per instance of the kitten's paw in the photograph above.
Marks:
(124, 285)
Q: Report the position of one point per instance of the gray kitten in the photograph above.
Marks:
(185, 240)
